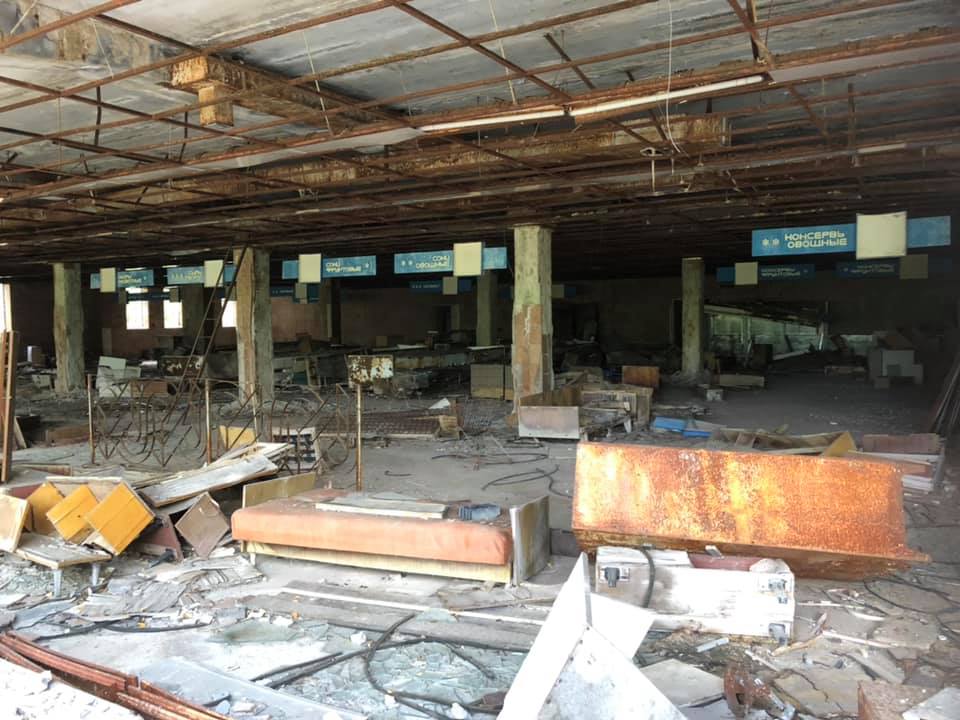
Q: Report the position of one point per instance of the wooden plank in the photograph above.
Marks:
(841, 446)
(203, 525)
(67, 434)
(377, 619)
(69, 515)
(56, 554)
(442, 568)
(737, 380)
(13, 516)
(642, 375)
(915, 443)
(236, 437)
(158, 540)
(41, 501)
(214, 477)
(118, 519)
(530, 526)
(364, 504)
(8, 386)
(281, 487)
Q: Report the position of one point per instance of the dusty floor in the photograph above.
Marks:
(903, 630)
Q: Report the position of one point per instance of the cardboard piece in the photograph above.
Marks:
(203, 525)
(281, 487)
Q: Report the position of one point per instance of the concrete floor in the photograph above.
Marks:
(478, 467)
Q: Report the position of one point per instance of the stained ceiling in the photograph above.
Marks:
(137, 131)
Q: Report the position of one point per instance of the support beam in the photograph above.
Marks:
(487, 308)
(532, 311)
(254, 323)
(692, 281)
(193, 308)
(68, 327)
(336, 332)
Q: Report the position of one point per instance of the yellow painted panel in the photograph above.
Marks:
(235, 437)
(67, 515)
(43, 500)
(119, 519)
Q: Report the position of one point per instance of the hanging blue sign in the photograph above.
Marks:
(192, 275)
(795, 271)
(868, 268)
(134, 278)
(435, 287)
(805, 240)
(94, 281)
(928, 232)
(423, 262)
(290, 270)
(359, 266)
(495, 258)
(726, 275)
(921, 233)
(148, 296)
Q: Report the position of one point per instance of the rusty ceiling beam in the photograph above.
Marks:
(63, 22)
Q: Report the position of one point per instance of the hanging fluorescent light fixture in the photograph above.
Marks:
(494, 120)
(665, 96)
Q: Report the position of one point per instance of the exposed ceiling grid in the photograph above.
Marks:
(372, 127)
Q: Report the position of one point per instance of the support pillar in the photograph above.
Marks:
(324, 308)
(487, 308)
(254, 323)
(532, 311)
(692, 282)
(334, 316)
(193, 309)
(68, 327)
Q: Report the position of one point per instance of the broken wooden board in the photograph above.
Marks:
(56, 554)
(234, 437)
(214, 477)
(508, 636)
(13, 516)
(713, 600)
(396, 506)
(69, 515)
(118, 519)
(67, 434)
(915, 443)
(203, 525)
(841, 446)
(530, 527)
(41, 501)
(282, 487)
(419, 566)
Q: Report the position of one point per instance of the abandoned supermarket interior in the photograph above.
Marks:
(448, 359)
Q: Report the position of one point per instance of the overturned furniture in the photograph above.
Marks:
(416, 537)
(826, 517)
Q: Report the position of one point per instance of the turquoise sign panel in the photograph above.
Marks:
(290, 270)
(359, 266)
(795, 271)
(495, 258)
(921, 233)
(192, 275)
(126, 279)
(868, 268)
(423, 262)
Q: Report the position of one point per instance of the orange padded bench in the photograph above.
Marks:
(294, 527)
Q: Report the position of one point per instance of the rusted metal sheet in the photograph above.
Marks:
(366, 369)
(827, 517)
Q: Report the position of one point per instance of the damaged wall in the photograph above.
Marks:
(32, 312)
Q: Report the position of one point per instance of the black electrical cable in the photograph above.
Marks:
(113, 626)
(648, 595)
(946, 625)
(495, 459)
(530, 476)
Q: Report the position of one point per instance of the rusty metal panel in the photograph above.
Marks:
(366, 369)
(827, 517)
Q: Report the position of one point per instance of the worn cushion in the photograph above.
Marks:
(296, 522)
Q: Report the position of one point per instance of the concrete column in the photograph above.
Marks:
(68, 327)
(487, 308)
(254, 324)
(692, 281)
(336, 335)
(194, 307)
(532, 311)
(324, 309)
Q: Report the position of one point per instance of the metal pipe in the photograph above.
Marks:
(92, 436)
(359, 438)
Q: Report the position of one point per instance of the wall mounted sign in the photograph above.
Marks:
(359, 266)
(435, 287)
(423, 262)
(192, 275)
(921, 233)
